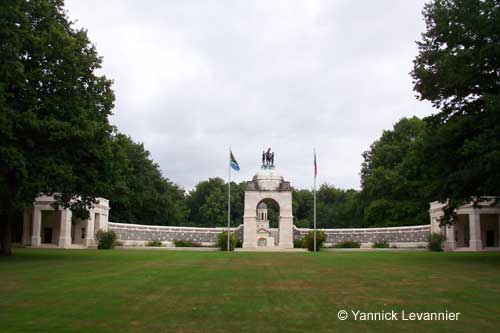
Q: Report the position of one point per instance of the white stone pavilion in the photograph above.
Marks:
(475, 228)
(45, 226)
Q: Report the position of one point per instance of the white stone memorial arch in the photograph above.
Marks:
(267, 185)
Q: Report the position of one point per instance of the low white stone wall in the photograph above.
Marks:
(139, 234)
(410, 236)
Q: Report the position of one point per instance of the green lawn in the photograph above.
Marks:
(172, 291)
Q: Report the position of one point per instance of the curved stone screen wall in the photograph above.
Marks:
(138, 234)
(411, 236)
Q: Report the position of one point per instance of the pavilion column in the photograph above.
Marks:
(27, 220)
(475, 243)
(37, 224)
(65, 229)
(98, 223)
(450, 238)
(89, 226)
(434, 220)
(103, 223)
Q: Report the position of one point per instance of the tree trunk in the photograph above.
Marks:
(6, 234)
(6, 225)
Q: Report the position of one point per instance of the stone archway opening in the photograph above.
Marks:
(269, 210)
(267, 222)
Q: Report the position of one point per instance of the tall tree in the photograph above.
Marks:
(458, 70)
(54, 130)
(143, 195)
(392, 177)
(302, 203)
(337, 208)
(207, 203)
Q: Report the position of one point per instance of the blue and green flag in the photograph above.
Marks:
(232, 161)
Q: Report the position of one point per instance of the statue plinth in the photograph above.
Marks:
(267, 166)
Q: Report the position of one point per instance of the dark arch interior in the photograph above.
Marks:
(273, 212)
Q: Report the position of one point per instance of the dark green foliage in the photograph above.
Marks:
(54, 129)
(380, 245)
(336, 208)
(154, 243)
(436, 242)
(273, 213)
(237, 203)
(143, 195)
(459, 56)
(239, 243)
(457, 71)
(299, 243)
(347, 245)
(392, 175)
(308, 241)
(302, 203)
(105, 239)
(302, 223)
(186, 243)
(222, 241)
(208, 203)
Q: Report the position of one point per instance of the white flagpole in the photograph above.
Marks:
(314, 199)
(229, 200)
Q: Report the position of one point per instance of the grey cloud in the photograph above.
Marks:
(195, 77)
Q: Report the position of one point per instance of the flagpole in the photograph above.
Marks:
(314, 199)
(229, 199)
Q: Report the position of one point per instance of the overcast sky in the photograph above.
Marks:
(192, 78)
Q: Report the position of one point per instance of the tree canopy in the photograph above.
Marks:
(207, 203)
(54, 129)
(394, 188)
(142, 195)
(458, 70)
(335, 208)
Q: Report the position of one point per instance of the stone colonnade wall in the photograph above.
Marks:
(410, 236)
(139, 234)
